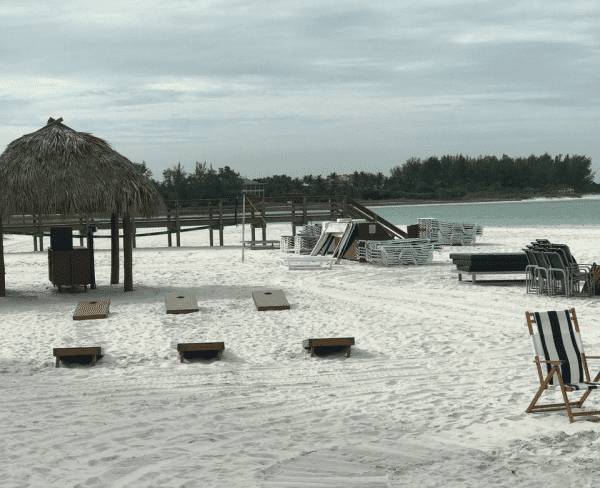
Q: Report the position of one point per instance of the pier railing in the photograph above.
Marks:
(190, 215)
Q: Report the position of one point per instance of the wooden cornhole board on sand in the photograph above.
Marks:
(77, 354)
(328, 346)
(182, 303)
(204, 350)
(91, 310)
(270, 300)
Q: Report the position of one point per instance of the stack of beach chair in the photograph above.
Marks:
(307, 238)
(286, 244)
(399, 252)
(448, 233)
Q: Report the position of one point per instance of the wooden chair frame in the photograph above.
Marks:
(567, 405)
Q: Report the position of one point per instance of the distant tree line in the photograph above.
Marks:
(445, 177)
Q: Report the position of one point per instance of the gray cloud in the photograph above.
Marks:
(313, 85)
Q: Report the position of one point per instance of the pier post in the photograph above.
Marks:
(264, 221)
(293, 219)
(210, 230)
(169, 226)
(252, 229)
(114, 250)
(81, 233)
(304, 214)
(41, 232)
(177, 224)
(220, 223)
(35, 239)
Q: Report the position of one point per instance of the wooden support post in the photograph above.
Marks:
(81, 232)
(90, 243)
(304, 212)
(210, 230)
(133, 231)
(2, 277)
(114, 250)
(264, 221)
(220, 223)
(252, 232)
(41, 233)
(169, 226)
(177, 224)
(293, 220)
(127, 253)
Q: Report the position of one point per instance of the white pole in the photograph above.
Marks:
(243, 223)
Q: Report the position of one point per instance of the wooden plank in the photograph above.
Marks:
(201, 346)
(77, 351)
(334, 341)
(76, 354)
(270, 300)
(91, 310)
(182, 303)
(204, 350)
(328, 346)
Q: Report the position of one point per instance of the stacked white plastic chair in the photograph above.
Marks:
(399, 252)
(430, 229)
(286, 244)
(307, 238)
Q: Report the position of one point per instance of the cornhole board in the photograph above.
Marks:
(70, 354)
(327, 346)
(270, 300)
(91, 310)
(181, 303)
(198, 349)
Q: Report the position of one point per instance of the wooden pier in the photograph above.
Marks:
(191, 215)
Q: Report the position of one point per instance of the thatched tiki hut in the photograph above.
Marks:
(56, 170)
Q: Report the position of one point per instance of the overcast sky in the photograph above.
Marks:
(310, 87)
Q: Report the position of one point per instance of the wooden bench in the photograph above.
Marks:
(261, 244)
(310, 262)
(270, 300)
(181, 303)
(91, 310)
(204, 350)
(77, 354)
(475, 273)
(328, 346)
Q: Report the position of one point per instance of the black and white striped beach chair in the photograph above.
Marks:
(557, 344)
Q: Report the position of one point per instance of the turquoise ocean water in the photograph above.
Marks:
(567, 211)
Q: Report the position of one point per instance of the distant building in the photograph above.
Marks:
(566, 190)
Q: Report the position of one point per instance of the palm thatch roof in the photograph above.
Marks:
(56, 170)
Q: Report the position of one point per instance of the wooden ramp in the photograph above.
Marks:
(77, 354)
(270, 300)
(203, 350)
(328, 346)
(182, 303)
(91, 310)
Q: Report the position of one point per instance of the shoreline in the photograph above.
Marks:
(496, 199)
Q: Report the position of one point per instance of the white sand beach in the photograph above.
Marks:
(434, 393)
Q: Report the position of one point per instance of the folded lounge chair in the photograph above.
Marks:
(557, 344)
